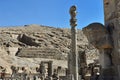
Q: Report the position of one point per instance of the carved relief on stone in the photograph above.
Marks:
(102, 40)
(111, 16)
(98, 35)
(110, 9)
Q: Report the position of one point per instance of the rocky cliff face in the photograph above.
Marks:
(16, 41)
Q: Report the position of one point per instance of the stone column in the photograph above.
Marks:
(50, 68)
(73, 63)
(42, 69)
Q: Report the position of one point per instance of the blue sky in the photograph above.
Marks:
(49, 12)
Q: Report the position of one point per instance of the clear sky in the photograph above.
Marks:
(49, 12)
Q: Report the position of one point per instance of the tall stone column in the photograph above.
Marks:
(42, 69)
(73, 56)
(50, 68)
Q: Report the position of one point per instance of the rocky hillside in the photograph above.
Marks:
(16, 42)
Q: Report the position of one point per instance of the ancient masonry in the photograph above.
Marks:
(112, 20)
(106, 38)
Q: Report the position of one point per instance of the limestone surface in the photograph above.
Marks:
(50, 44)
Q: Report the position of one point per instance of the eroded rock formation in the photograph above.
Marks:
(20, 39)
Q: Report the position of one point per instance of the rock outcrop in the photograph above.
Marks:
(17, 40)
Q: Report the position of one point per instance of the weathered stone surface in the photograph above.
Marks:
(108, 6)
(49, 53)
(98, 35)
(112, 16)
(28, 40)
(45, 37)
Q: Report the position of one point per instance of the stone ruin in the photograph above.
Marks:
(46, 71)
(40, 53)
(103, 37)
(106, 39)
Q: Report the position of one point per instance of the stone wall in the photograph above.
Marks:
(109, 7)
(112, 16)
(40, 53)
